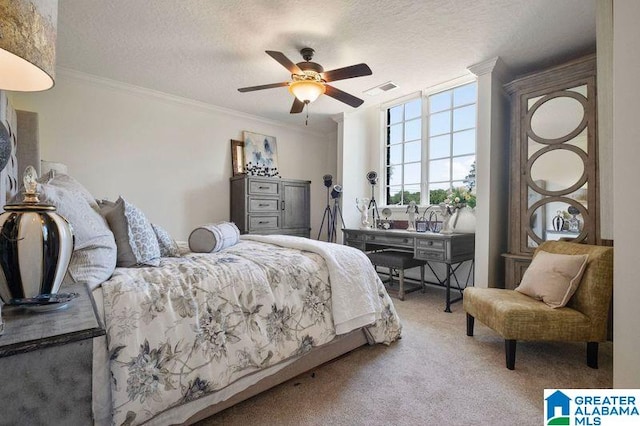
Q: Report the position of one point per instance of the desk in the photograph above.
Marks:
(450, 249)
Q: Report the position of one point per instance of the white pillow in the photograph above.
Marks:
(553, 278)
(94, 253)
(213, 237)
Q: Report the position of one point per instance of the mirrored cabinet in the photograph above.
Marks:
(554, 171)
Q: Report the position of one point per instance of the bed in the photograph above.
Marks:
(202, 332)
(199, 332)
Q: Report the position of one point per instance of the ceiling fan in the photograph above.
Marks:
(309, 80)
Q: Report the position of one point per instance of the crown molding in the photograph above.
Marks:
(150, 93)
(494, 66)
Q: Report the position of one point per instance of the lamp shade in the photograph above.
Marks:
(307, 90)
(27, 44)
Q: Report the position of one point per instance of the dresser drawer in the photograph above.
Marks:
(257, 223)
(263, 187)
(430, 244)
(263, 205)
(429, 255)
(390, 240)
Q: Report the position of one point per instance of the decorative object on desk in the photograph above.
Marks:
(459, 205)
(362, 204)
(36, 243)
(412, 211)
(237, 157)
(464, 220)
(260, 155)
(447, 228)
(28, 44)
(458, 198)
(385, 223)
(558, 221)
(431, 222)
(574, 222)
(372, 177)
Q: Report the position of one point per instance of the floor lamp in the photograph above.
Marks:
(372, 177)
(328, 215)
(336, 191)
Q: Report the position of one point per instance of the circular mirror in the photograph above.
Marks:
(557, 117)
(559, 169)
(554, 220)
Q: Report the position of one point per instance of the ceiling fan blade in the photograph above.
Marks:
(343, 96)
(297, 106)
(264, 86)
(358, 70)
(284, 61)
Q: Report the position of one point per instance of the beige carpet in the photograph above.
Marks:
(435, 375)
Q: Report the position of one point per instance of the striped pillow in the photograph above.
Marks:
(213, 237)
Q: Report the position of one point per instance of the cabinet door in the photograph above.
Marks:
(295, 205)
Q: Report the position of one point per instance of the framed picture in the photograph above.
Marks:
(260, 155)
(237, 157)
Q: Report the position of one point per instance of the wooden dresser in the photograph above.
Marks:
(261, 205)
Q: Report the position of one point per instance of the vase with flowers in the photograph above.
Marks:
(458, 210)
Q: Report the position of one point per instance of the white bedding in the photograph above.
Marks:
(354, 283)
(205, 322)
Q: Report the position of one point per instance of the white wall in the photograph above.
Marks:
(626, 196)
(358, 146)
(169, 156)
(492, 173)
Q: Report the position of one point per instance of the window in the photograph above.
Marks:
(404, 152)
(449, 146)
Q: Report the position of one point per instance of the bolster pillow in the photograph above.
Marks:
(213, 237)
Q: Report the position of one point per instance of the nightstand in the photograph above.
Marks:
(46, 361)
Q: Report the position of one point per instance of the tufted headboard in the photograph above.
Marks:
(9, 174)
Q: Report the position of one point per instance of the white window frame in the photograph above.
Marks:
(424, 94)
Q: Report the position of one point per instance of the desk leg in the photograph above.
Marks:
(448, 287)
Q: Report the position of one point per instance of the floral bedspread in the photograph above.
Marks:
(197, 323)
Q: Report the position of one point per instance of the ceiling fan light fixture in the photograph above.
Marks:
(307, 91)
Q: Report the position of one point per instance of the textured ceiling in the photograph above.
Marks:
(206, 49)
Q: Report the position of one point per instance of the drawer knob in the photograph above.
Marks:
(262, 222)
(263, 205)
(406, 240)
(263, 187)
(429, 243)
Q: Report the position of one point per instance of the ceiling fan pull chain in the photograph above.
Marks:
(306, 120)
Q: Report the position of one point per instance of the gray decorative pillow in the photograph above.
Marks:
(94, 254)
(213, 237)
(168, 246)
(135, 239)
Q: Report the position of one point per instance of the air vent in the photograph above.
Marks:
(384, 87)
